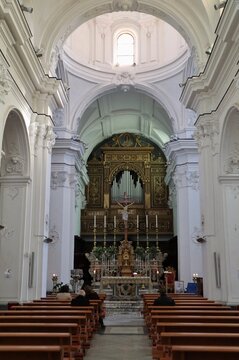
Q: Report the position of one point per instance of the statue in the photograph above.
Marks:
(125, 214)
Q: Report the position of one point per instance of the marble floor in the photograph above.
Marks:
(124, 338)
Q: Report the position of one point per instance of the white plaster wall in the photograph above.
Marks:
(231, 210)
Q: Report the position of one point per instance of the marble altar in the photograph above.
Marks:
(126, 287)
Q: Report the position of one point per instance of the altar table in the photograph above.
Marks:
(126, 287)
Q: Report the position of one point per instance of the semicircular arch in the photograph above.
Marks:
(187, 20)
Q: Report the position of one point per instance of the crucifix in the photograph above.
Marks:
(125, 214)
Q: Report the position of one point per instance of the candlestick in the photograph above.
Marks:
(94, 233)
(94, 221)
(156, 221)
(147, 221)
(137, 221)
(114, 222)
(104, 221)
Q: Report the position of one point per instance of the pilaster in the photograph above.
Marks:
(183, 178)
(42, 139)
(67, 180)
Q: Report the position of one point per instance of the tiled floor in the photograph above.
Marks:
(124, 338)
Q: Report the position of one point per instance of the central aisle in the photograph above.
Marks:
(124, 338)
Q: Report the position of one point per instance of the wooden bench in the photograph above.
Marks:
(176, 312)
(183, 327)
(41, 327)
(80, 339)
(39, 338)
(168, 339)
(90, 315)
(156, 320)
(27, 352)
(205, 353)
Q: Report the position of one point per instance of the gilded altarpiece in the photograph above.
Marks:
(132, 153)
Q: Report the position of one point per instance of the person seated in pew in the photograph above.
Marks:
(80, 299)
(92, 295)
(164, 300)
(63, 293)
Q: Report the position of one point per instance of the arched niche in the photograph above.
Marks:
(14, 216)
(230, 143)
(15, 147)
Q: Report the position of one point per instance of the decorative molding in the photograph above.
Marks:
(124, 78)
(231, 165)
(14, 165)
(58, 117)
(125, 5)
(13, 192)
(7, 234)
(172, 195)
(57, 51)
(192, 178)
(50, 138)
(207, 130)
(235, 190)
(42, 135)
(4, 82)
(187, 178)
(58, 179)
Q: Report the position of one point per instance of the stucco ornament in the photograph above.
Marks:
(125, 5)
(4, 83)
(232, 162)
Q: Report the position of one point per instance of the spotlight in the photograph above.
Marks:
(201, 240)
(182, 84)
(220, 5)
(26, 8)
(39, 52)
(208, 51)
(48, 240)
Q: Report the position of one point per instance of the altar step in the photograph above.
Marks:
(123, 306)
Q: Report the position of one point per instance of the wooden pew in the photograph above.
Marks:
(46, 327)
(26, 352)
(155, 320)
(168, 339)
(61, 311)
(180, 327)
(176, 312)
(39, 338)
(179, 307)
(205, 353)
(80, 339)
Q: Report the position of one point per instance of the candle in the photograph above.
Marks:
(94, 220)
(137, 221)
(147, 221)
(114, 222)
(156, 221)
(104, 221)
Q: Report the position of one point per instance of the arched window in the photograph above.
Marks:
(125, 49)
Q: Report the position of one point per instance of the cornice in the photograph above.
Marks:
(69, 145)
(20, 54)
(143, 73)
(222, 64)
